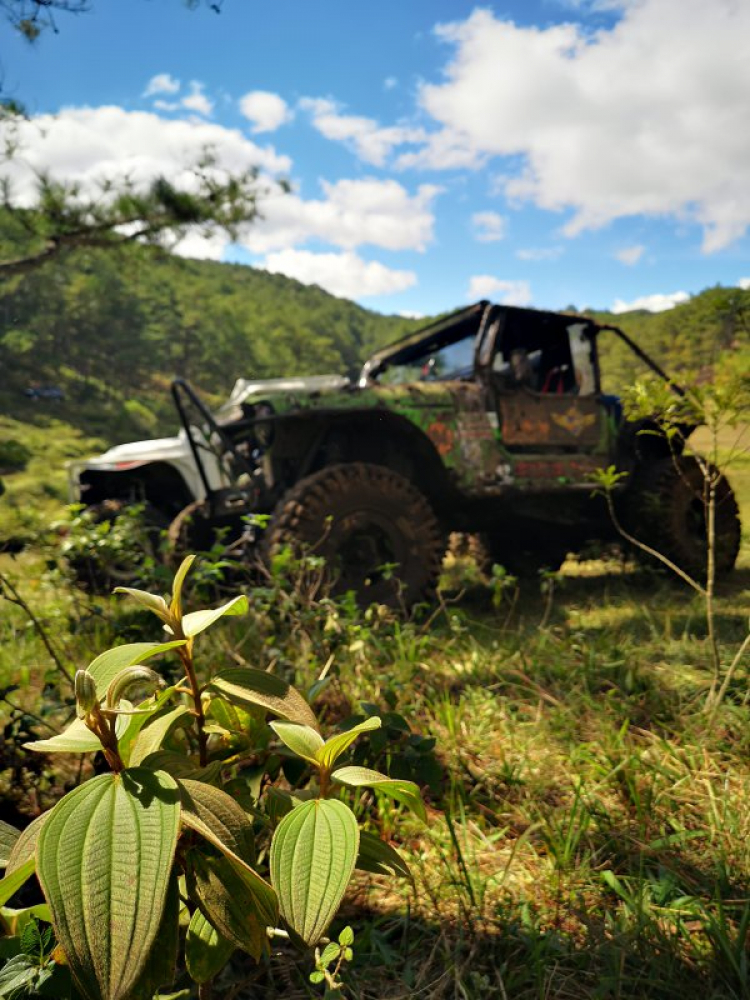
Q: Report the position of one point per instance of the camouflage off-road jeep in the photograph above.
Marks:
(490, 422)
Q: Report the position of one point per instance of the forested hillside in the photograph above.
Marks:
(112, 329)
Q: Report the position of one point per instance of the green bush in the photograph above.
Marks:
(14, 457)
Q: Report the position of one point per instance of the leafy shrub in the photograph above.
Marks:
(180, 830)
(14, 456)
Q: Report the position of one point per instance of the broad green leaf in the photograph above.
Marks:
(128, 677)
(14, 921)
(227, 902)
(405, 792)
(338, 744)
(206, 951)
(313, 853)
(8, 836)
(378, 857)
(108, 664)
(161, 963)
(198, 621)
(147, 711)
(175, 605)
(248, 721)
(247, 687)
(104, 858)
(218, 818)
(25, 847)
(10, 885)
(302, 740)
(180, 766)
(151, 601)
(151, 737)
(18, 976)
(77, 738)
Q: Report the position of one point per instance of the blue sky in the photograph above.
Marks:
(585, 152)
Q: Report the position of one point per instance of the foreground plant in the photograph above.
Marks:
(706, 502)
(158, 842)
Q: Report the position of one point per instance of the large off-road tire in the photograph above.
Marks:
(665, 508)
(377, 532)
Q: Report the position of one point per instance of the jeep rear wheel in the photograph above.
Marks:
(665, 508)
(377, 532)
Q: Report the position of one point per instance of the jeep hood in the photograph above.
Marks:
(248, 391)
(122, 456)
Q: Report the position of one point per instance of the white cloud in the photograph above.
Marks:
(488, 226)
(344, 274)
(351, 213)
(370, 141)
(630, 255)
(162, 83)
(410, 314)
(202, 247)
(390, 82)
(507, 293)
(536, 254)
(648, 116)
(265, 110)
(651, 303)
(91, 145)
(197, 101)
(744, 283)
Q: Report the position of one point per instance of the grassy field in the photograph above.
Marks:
(589, 825)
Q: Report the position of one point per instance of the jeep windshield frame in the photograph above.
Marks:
(425, 342)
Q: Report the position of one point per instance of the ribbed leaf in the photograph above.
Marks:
(161, 963)
(153, 735)
(175, 605)
(108, 664)
(378, 857)
(180, 766)
(151, 601)
(14, 921)
(206, 951)
(10, 885)
(227, 902)
(338, 744)
(313, 853)
(77, 738)
(104, 859)
(218, 818)
(245, 686)
(136, 723)
(8, 836)
(198, 621)
(25, 847)
(302, 740)
(405, 792)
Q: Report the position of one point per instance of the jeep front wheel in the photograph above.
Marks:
(377, 532)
